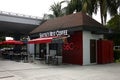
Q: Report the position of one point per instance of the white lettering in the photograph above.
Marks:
(54, 33)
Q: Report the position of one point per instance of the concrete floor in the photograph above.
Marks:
(11, 70)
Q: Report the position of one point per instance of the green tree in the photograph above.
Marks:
(114, 25)
(56, 8)
(86, 6)
(74, 5)
(107, 6)
(89, 6)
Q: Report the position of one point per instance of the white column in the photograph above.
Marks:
(47, 49)
(47, 52)
(31, 53)
(86, 47)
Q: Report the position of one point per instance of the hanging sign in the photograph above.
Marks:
(54, 33)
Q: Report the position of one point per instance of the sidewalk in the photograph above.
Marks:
(11, 70)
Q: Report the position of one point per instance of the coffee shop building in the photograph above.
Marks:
(74, 39)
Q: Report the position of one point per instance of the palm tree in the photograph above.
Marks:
(57, 9)
(108, 6)
(86, 6)
(91, 6)
(74, 5)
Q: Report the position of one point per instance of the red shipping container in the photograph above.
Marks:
(104, 51)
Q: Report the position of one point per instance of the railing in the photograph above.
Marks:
(19, 15)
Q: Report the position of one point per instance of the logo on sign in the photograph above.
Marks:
(68, 46)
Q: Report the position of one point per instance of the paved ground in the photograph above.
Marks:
(11, 70)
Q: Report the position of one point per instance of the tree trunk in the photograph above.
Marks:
(101, 13)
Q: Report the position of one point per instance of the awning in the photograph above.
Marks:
(11, 42)
(0, 43)
(41, 40)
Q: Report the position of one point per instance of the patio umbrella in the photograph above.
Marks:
(1, 43)
(12, 42)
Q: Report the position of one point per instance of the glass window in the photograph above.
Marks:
(53, 46)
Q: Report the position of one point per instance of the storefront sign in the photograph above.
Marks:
(54, 33)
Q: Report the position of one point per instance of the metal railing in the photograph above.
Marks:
(19, 15)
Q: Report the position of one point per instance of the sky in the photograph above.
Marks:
(31, 7)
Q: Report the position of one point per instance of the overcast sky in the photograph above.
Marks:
(31, 7)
